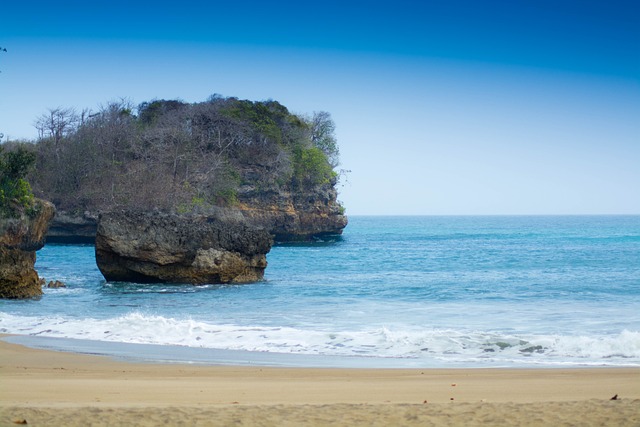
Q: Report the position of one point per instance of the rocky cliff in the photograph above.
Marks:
(291, 215)
(20, 237)
(148, 247)
(73, 228)
(286, 215)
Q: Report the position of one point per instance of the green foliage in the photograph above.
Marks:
(196, 203)
(323, 136)
(311, 167)
(225, 188)
(269, 120)
(262, 117)
(149, 112)
(15, 191)
(227, 196)
(183, 157)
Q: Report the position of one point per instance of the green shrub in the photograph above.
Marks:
(261, 116)
(311, 167)
(227, 197)
(15, 192)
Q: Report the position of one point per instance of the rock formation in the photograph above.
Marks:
(20, 237)
(287, 216)
(148, 247)
(276, 168)
(56, 284)
(73, 228)
(293, 216)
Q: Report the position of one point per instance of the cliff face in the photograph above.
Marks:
(286, 215)
(148, 247)
(293, 216)
(20, 238)
(73, 228)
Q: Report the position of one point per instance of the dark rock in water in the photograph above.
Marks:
(148, 247)
(20, 237)
(56, 284)
(73, 228)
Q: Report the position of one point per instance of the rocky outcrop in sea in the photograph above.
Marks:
(149, 247)
(21, 236)
(67, 227)
(255, 158)
(286, 215)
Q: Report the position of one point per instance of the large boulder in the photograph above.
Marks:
(21, 235)
(149, 247)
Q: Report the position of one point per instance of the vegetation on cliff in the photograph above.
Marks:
(16, 196)
(180, 157)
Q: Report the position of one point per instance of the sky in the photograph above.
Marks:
(441, 107)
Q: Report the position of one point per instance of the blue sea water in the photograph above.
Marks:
(402, 291)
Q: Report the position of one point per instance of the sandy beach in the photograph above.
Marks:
(51, 388)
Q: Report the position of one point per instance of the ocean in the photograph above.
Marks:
(402, 291)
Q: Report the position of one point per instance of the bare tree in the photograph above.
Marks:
(323, 136)
(174, 155)
(85, 115)
(56, 124)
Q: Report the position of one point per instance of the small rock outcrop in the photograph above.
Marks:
(56, 284)
(152, 247)
(20, 237)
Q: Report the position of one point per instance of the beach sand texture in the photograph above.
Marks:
(47, 388)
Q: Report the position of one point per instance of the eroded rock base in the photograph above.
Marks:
(154, 247)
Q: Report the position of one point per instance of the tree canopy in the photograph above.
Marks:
(172, 155)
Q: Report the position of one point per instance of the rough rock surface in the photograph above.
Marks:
(287, 215)
(294, 216)
(69, 227)
(148, 247)
(20, 238)
(56, 284)
(73, 228)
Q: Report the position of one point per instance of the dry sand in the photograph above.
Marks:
(48, 388)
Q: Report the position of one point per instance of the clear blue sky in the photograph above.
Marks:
(441, 107)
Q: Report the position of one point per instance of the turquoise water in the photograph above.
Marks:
(418, 291)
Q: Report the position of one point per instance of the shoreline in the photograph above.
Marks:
(46, 387)
(203, 356)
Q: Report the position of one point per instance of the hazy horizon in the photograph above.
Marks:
(441, 108)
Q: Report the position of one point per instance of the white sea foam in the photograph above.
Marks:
(444, 345)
